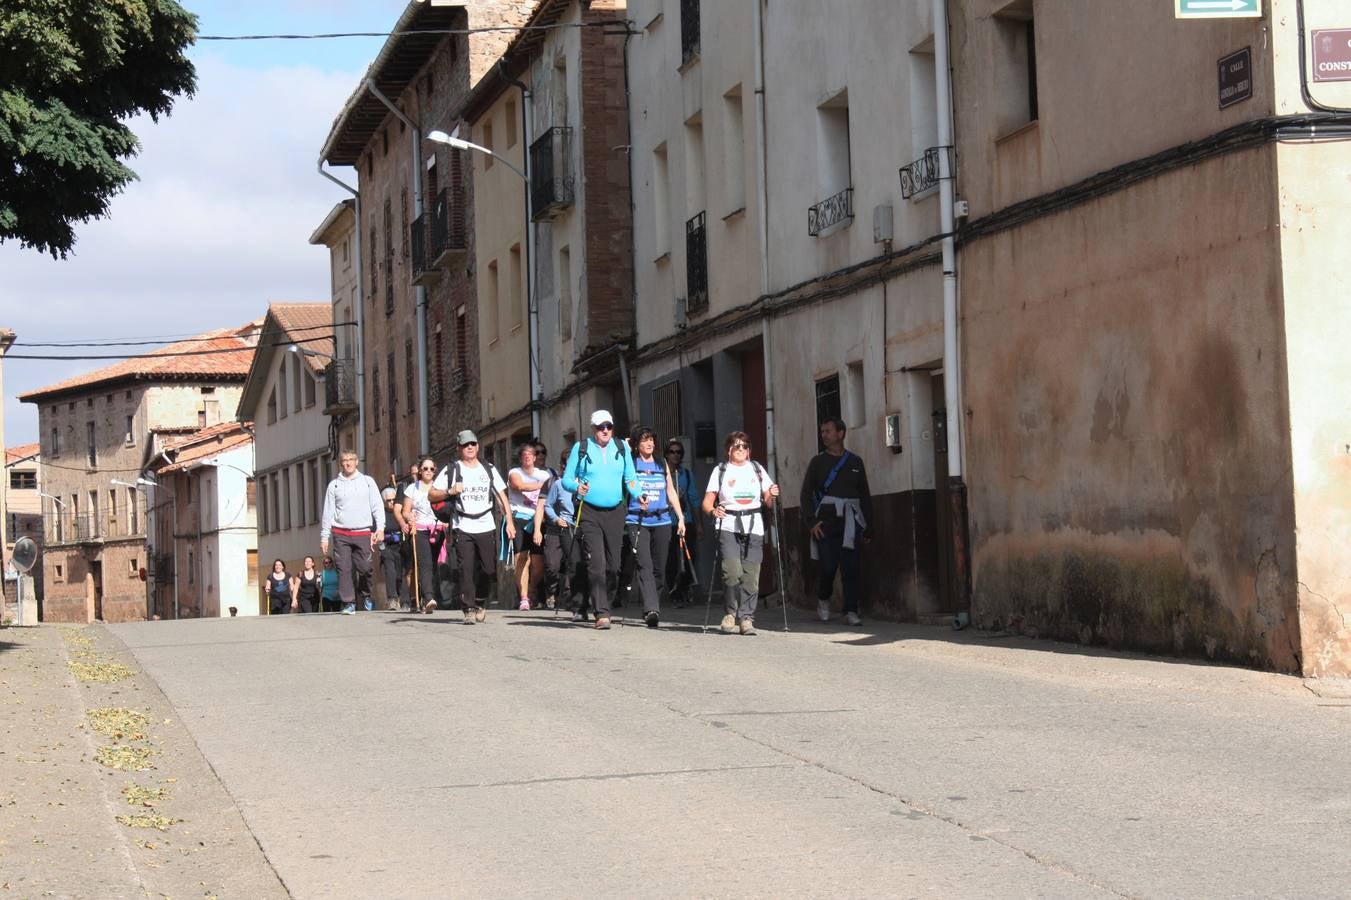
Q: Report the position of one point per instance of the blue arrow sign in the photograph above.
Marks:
(1218, 9)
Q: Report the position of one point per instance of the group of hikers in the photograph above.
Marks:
(618, 519)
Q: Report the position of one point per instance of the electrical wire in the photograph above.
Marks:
(195, 337)
(487, 29)
(303, 340)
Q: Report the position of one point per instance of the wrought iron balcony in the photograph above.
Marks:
(448, 231)
(340, 387)
(689, 30)
(459, 379)
(388, 268)
(832, 211)
(924, 173)
(696, 265)
(551, 181)
(417, 241)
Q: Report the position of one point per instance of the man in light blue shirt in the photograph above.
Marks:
(599, 471)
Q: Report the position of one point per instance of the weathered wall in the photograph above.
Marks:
(1315, 216)
(1125, 385)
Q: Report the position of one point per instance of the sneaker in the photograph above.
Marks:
(550, 603)
(469, 617)
(369, 604)
(579, 616)
(851, 618)
(480, 614)
(392, 606)
(748, 626)
(823, 610)
(525, 604)
(653, 619)
(429, 607)
(349, 609)
(728, 625)
(603, 624)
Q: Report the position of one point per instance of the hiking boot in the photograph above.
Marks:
(480, 614)
(653, 619)
(469, 617)
(851, 618)
(603, 623)
(349, 609)
(728, 625)
(748, 626)
(823, 610)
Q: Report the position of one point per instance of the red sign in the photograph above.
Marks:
(1332, 54)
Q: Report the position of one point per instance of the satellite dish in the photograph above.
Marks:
(25, 554)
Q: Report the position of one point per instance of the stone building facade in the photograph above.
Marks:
(338, 234)
(101, 433)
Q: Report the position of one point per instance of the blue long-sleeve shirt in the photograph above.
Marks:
(607, 470)
(558, 507)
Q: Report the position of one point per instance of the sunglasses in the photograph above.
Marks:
(605, 426)
(470, 444)
(427, 469)
(740, 445)
(675, 452)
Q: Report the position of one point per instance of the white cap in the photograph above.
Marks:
(601, 416)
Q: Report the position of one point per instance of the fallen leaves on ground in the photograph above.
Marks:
(143, 796)
(126, 759)
(100, 672)
(148, 820)
(117, 722)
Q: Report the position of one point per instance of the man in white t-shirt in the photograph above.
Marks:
(474, 486)
(737, 490)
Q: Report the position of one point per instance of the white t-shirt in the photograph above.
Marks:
(742, 487)
(422, 506)
(523, 502)
(477, 497)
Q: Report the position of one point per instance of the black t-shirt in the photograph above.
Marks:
(851, 482)
(391, 523)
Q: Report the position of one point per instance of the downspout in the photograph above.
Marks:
(361, 317)
(762, 219)
(419, 292)
(952, 363)
(531, 282)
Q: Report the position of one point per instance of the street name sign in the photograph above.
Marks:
(1217, 9)
(1235, 77)
(1332, 54)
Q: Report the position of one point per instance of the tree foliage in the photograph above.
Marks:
(71, 73)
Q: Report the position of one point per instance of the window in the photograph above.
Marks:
(492, 302)
(281, 390)
(346, 252)
(297, 391)
(310, 398)
(284, 522)
(487, 143)
(393, 391)
(130, 438)
(317, 506)
(264, 526)
(832, 146)
(272, 407)
(666, 416)
(191, 567)
(56, 441)
(89, 440)
(302, 509)
(210, 582)
(689, 30)
(375, 398)
(923, 90)
(855, 396)
(661, 202)
(827, 404)
(112, 510)
(734, 152)
(438, 366)
(94, 530)
(274, 509)
(132, 568)
(694, 164)
(58, 572)
(408, 380)
(23, 481)
(511, 123)
(133, 511)
(1015, 74)
(515, 297)
(461, 337)
(565, 293)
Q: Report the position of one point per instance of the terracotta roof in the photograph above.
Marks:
(161, 365)
(23, 451)
(310, 325)
(204, 444)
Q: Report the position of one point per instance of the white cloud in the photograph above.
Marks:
(217, 226)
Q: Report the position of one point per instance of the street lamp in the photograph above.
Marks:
(140, 482)
(458, 143)
(305, 351)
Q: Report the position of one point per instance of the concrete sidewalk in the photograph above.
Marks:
(59, 807)
(407, 756)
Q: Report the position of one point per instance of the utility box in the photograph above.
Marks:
(882, 223)
(893, 432)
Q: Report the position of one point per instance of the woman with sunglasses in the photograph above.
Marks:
(653, 511)
(527, 487)
(419, 521)
(737, 491)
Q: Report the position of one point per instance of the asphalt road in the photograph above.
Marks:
(388, 755)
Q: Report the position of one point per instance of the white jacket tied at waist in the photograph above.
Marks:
(848, 509)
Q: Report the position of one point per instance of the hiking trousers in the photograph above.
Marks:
(833, 556)
(741, 558)
(653, 543)
(477, 557)
(601, 533)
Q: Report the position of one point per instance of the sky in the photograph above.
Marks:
(218, 224)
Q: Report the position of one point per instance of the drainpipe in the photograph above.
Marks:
(358, 362)
(762, 219)
(419, 292)
(534, 361)
(952, 363)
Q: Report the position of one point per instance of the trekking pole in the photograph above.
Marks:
(778, 556)
(572, 544)
(713, 578)
(689, 566)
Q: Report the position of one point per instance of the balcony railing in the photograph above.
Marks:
(340, 387)
(696, 265)
(832, 211)
(87, 527)
(551, 181)
(924, 173)
(459, 379)
(417, 242)
(689, 30)
(448, 231)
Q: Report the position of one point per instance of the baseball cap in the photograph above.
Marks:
(601, 416)
(466, 437)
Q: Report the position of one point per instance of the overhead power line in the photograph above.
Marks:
(420, 31)
(196, 336)
(304, 340)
